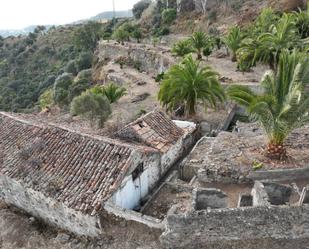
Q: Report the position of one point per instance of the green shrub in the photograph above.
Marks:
(71, 67)
(61, 89)
(92, 106)
(164, 31)
(169, 16)
(212, 16)
(84, 61)
(46, 99)
(159, 77)
(207, 51)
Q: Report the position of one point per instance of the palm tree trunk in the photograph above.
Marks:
(199, 55)
(276, 151)
(233, 57)
(191, 108)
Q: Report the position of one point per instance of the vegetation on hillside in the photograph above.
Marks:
(33, 65)
(265, 39)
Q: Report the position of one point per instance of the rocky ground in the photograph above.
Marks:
(18, 230)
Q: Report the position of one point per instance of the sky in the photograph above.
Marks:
(18, 14)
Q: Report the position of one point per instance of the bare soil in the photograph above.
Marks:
(165, 199)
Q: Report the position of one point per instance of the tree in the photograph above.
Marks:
(121, 35)
(112, 92)
(233, 41)
(87, 36)
(91, 106)
(188, 83)
(198, 40)
(137, 34)
(283, 106)
(182, 48)
(139, 8)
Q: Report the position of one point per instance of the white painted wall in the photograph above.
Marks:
(131, 192)
(185, 124)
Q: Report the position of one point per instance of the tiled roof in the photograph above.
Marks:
(154, 129)
(77, 169)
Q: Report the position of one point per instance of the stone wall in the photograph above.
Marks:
(47, 209)
(243, 228)
(153, 60)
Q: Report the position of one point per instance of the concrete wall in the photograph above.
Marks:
(243, 228)
(47, 209)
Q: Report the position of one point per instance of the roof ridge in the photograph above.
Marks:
(96, 137)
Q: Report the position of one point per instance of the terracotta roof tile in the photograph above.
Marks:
(154, 129)
(79, 170)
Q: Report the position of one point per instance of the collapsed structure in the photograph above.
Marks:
(65, 177)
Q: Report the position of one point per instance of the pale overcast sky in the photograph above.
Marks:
(17, 14)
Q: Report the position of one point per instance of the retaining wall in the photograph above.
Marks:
(242, 228)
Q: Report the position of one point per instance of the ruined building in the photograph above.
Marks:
(65, 177)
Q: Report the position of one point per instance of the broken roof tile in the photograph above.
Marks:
(154, 129)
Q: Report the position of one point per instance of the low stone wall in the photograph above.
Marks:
(130, 215)
(280, 174)
(47, 209)
(153, 60)
(242, 228)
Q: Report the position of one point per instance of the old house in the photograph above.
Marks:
(64, 177)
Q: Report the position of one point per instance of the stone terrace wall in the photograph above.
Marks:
(242, 228)
(47, 209)
(153, 60)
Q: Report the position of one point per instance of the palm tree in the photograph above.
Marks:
(112, 92)
(284, 105)
(302, 22)
(266, 48)
(187, 83)
(199, 40)
(233, 41)
(182, 48)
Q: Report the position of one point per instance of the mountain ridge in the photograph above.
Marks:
(106, 15)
